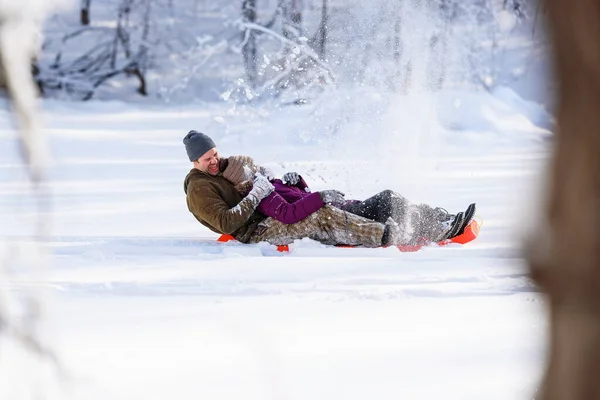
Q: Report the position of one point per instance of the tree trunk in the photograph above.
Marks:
(249, 48)
(398, 80)
(398, 45)
(564, 255)
(322, 33)
(85, 12)
(143, 51)
(292, 19)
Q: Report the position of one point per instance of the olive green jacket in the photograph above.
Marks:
(215, 202)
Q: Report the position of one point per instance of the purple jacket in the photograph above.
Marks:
(290, 204)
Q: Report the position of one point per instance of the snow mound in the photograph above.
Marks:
(501, 112)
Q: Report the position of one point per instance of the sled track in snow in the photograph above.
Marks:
(183, 266)
(184, 246)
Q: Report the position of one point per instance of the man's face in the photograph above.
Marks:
(208, 162)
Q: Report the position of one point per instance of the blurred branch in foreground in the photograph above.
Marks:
(21, 307)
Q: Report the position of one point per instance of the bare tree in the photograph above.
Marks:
(319, 41)
(400, 80)
(85, 12)
(294, 67)
(291, 11)
(249, 42)
(120, 50)
(140, 67)
(564, 253)
(445, 12)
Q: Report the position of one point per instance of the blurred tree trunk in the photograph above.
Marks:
(565, 254)
(142, 57)
(321, 36)
(402, 78)
(398, 45)
(292, 19)
(85, 12)
(249, 43)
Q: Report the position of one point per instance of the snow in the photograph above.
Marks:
(502, 110)
(143, 303)
(506, 20)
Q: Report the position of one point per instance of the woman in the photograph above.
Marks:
(292, 201)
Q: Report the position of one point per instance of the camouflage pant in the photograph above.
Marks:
(329, 225)
(418, 222)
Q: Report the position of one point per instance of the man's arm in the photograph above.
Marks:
(207, 205)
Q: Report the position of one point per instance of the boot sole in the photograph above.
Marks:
(456, 224)
(467, 218)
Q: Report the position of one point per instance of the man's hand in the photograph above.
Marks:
(261, 188)
(291, 178)
(332, 196)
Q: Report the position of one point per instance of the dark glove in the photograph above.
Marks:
(332, 196)
(291, 178)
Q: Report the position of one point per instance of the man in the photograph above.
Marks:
(215, 203)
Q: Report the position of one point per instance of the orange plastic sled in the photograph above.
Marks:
(471, 232)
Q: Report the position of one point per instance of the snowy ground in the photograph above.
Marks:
(144, 305)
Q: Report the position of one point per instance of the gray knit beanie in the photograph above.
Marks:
(196, 144)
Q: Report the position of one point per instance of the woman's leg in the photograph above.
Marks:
(380, 207)
(427, 223)
(420, 222)
(329, 225)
